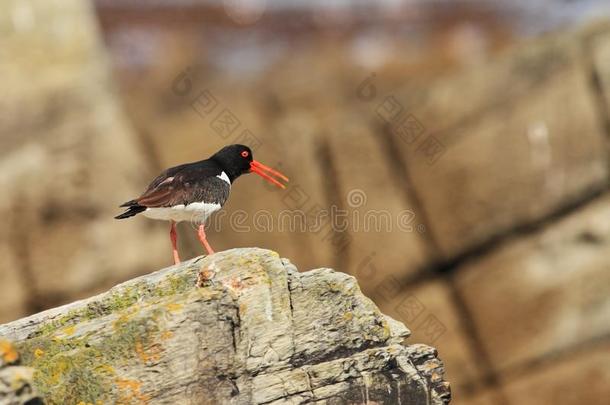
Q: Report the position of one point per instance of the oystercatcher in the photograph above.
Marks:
(193, 191)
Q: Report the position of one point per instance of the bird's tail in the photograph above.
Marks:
(133, 208)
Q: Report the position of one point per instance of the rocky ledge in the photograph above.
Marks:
(238, 327)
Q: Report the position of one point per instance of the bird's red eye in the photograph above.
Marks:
(245, 154)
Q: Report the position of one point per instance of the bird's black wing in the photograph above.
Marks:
(196, 182)
(184, 184)
(156, 182)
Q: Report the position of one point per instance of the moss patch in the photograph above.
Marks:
(78, 369)
(72, 368)
(117, 301)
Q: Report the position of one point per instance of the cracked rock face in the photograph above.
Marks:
(241, 327)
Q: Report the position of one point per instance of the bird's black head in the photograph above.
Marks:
(236, 160)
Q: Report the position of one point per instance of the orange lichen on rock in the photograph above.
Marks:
(133, 392)
(8, 354)
(153, 355)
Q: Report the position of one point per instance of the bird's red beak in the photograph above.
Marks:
(266, 173)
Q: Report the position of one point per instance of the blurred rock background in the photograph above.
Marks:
(478, 128)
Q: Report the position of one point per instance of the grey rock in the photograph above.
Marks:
(238, 327)
(16, 386)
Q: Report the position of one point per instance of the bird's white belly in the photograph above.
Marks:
(194, 212)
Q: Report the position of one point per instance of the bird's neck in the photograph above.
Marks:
(231, 173)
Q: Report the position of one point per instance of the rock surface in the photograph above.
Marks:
(15, 380)
(525, 143)
(545, 293)
(241, 326)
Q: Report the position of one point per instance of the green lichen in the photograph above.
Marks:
(64, 372)
(72, 370)
(72, 367)
(126, 297)
(177, 284)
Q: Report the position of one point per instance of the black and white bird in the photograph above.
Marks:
(194, 191)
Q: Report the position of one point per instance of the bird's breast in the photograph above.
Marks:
(196, 212)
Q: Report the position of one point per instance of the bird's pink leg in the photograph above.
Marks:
(174, 238)
(203, 239)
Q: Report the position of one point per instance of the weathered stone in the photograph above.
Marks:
(16, 386)
(15, 381)
(254, 331)
(600, 49)
(481, 397)
(523, 143)
(580, 378)
(544, 293)
(378, 224)
(453, 99)
(431, 314)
